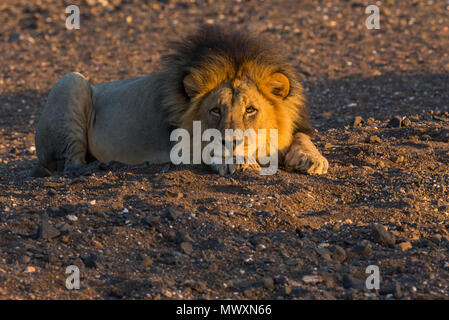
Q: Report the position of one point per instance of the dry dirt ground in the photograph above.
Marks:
(167, 232)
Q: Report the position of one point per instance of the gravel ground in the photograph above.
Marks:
(378, 98)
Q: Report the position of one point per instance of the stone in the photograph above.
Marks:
(382, 236)
(248, 293)
(152, 221)
(256, 27)
(90, 260)
(256, 240)
(374, 139)
(53, 259)
(406, 122)
(30, 269)
(361, 249)
(312, 278)
(404, 246)
(391, 288)
(182, 237)
(147, 261)
(324, 253)
(47, 231)
(380, 164)
(395, 122)
(172, 213)
(51, 184)
(15, 37)
(213, 267)
(268, 283)
(72, 217)
(350, 282)
(400, 159)
(117, 206)
(25, 259)
(98, 244)
(358, 122)
(279, 279)
(299, 233)
(291, 262)
(338, 254)
(61, 211)
(187, 247)
(436, 239)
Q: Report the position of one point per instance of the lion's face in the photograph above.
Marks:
(238, 106)
(242, 104)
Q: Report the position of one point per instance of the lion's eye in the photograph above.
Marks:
(251, 110)
(215, 112)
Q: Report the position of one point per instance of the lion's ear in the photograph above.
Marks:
(279, 84)
(190, 86)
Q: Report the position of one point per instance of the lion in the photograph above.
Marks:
(225, 79)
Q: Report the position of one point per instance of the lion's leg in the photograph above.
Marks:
(61, 136)
(304, 156)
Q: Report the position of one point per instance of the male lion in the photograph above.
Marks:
(227, 80)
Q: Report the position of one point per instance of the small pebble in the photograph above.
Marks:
(406, 122)
(30, 269)
(186, 247)
(382, 236)
(147, 261)
(172, 213)
(400, 159)
(72, 217)
(25, 259)
(268, 283)
(404, 246)
(90, 260)
(312, 279)
(338, 254)
(98, 245)
(374, 139)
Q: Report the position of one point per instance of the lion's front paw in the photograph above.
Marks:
(224, 169)
(311, 162)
